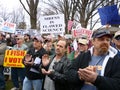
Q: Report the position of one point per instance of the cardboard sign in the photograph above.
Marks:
(7, 71)
(13, 58)
(70, 23)
(52, 24)
(82, 31)
(8, 27)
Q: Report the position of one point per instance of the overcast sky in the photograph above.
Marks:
(10, 4)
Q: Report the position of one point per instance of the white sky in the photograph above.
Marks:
(10, 4)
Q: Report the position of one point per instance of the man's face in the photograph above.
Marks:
(37, 44)
(82, 47)
(1, 37)
(26, 37)
(101, 45)
(116, 40)
(60, 47)
(19, 40)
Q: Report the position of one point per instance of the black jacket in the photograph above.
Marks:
(110, 80)
(59, 76)
(32, 75)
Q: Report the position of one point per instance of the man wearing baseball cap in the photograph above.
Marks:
(99, 67)
(100, 33)
(32, 62)
(116, 41)
(82, 46)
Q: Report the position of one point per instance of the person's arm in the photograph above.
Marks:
(58, 76)
(111, 81)
(3, 47)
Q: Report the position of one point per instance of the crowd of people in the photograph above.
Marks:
(55, 64)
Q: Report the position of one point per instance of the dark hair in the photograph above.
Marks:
(9, 42)
(28, 35)
(65, 41)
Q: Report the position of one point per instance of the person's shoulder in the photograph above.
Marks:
(4, 43)
(86, 53)
(116, 57)
(43, 50)
(24, 45)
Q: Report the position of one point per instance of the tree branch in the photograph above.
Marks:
(24, 7)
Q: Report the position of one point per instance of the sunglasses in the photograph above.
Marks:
(117, 38)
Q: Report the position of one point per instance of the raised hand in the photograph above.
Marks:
(45, 59)
(46, 72)
(87, 75)
(29, 62)
(28, 57)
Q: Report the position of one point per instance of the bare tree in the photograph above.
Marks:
(82, 11)
(17, 16)
(32, 12)
(4, 14)
(87, 9)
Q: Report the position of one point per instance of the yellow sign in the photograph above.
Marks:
(13, 58)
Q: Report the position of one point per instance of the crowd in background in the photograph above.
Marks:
(62, 63)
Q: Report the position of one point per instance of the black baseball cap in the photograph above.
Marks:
(100, 33)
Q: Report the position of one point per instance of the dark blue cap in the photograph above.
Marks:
(100, 33)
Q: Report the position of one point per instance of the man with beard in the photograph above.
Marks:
(55, 68)
(98, 68)
(28, 40)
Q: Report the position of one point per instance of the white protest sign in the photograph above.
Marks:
(7, 70)
(75, 45)
(82, 31)
(52, 24)
(8, 27)
(19, 31)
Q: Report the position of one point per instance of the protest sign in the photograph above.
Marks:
(52, 24)
(13, 58)
(82, 31)
(8, 27)
(70, 23)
